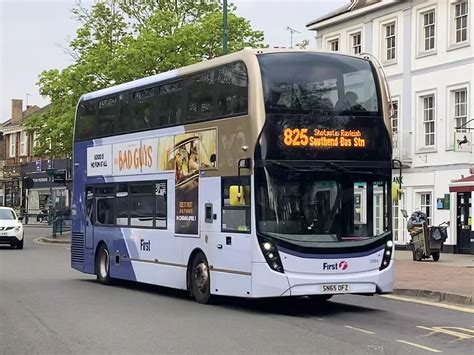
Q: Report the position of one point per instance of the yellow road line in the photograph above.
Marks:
(420, 346)
(359, 329)
(434, 304)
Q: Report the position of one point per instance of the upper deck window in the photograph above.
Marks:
(108, 113)
(318, 82)
(86, 120)
(207, 95)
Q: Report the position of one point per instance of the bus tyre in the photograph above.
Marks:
(19, 245)
(102, 265)
(200, 281)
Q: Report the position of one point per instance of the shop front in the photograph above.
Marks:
(463, 190)
(46, 192)
(12, 186)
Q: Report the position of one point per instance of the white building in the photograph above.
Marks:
(427, 50)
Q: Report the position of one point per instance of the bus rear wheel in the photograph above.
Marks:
(102, 265)
(200, 280)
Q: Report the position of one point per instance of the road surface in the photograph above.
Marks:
(48, 308)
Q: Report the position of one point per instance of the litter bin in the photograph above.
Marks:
(438, 235)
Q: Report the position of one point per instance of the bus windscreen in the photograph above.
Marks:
(318, 82)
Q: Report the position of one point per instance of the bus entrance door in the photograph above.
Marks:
(226, 230)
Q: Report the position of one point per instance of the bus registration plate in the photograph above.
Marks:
(335, 288)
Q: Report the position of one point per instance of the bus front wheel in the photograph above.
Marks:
(102, 265)
(200, 280)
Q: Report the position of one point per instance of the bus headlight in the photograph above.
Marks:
(267, 246)
(387, 255)
(271, 255)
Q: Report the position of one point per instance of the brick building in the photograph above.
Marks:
(18, 162)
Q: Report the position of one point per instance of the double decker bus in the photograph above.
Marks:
(262, 173)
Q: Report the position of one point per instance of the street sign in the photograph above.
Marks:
(50, 171)
(28, 182)
(462, 142)
(60, 177)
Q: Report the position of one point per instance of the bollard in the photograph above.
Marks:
(54, 227)
(50, 217)
(60, 222)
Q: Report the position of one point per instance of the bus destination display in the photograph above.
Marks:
(324, 138)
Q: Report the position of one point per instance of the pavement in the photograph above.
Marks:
(48, 308)
(451, 279)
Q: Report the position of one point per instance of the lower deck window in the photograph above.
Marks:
(129, 204)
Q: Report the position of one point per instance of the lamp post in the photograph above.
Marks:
(224, 27)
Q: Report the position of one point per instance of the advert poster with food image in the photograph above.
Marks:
(191, 153)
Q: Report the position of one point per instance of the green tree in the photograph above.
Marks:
(121, 40)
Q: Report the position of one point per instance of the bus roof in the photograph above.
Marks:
(175, 73)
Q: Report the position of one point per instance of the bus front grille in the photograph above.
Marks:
(77, 249)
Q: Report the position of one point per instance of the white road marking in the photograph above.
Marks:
(359, 329)
(429, 303)
(420, 346)
(449, 331)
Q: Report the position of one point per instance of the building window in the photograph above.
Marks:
(460, 109)
(428, 34)
(333, 45)
(356, 43)
(395, 124)
(395, 217)
(12, 145)
(389, 40)
(425, 205)
(460, 21)
(23, 143)
(428, 120)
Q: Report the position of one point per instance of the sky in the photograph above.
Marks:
(33, 34)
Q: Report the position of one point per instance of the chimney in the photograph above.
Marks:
(17, 110)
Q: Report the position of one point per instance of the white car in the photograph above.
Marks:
(11, 228)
